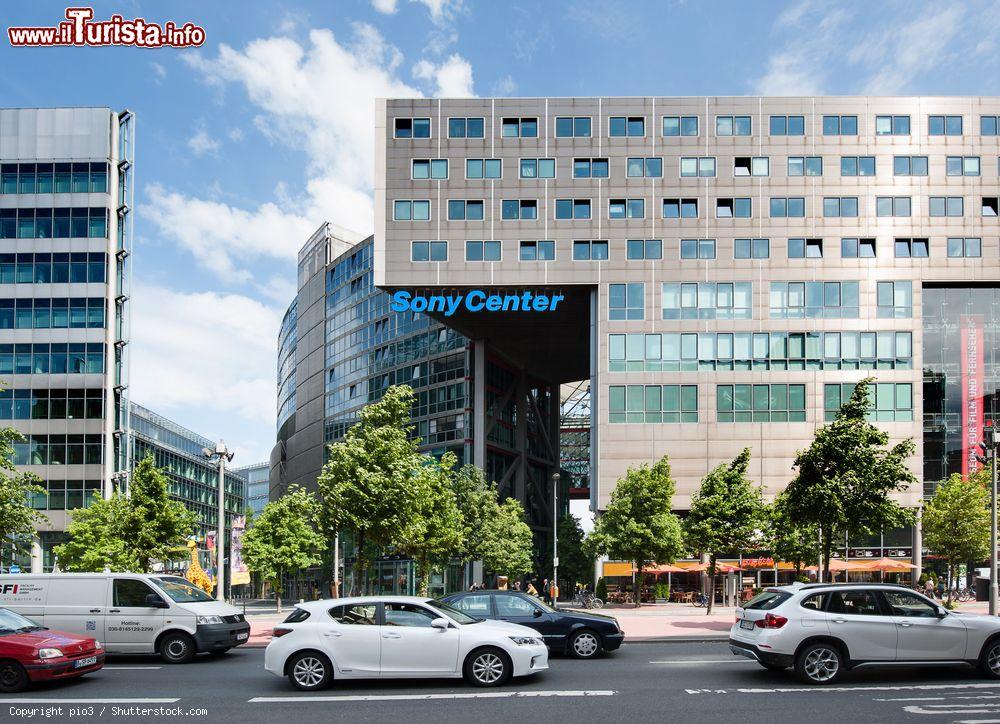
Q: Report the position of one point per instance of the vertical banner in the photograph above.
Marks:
(210, 545)
(238, 571)
(972, 390)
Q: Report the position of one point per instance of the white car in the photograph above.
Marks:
(398, 637)
(822, 630)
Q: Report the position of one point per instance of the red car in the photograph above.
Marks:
(31, 653)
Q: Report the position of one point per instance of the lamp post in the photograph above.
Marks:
(224, 456)
(556, 478)
(989, 446)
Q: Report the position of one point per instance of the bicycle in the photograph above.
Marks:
(586, 599)
(699, 600)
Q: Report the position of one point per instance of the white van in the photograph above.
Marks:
(130, 613)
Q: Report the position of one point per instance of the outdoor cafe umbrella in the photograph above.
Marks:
(663, 568)
(885, 565)
(838, 565)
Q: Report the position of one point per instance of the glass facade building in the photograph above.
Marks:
(258, 477)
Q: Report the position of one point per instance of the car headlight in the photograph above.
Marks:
(49, 653)
(209, 619)
(526, 640)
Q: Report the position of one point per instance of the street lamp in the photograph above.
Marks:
(989, 446)
(224, 456)
(556, 478)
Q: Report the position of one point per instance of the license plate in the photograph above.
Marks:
(747, 624)
(242, 636)
(89, 661)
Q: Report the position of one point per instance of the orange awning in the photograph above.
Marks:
(837, 565)
(884, 564)
(659, 568)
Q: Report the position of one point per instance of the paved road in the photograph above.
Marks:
(698, 682)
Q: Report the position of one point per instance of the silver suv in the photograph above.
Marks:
(822, 630)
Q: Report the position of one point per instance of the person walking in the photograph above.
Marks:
(544, 590)
(929, 587)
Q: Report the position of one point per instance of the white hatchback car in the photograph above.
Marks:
(823, 630)
(398, 637)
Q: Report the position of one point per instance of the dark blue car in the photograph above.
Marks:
(581, 635)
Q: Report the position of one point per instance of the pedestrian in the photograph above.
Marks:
(929, 587)
(516, 586)
(531, 590)
(545, 590)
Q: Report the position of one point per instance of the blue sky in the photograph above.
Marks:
(247, 144)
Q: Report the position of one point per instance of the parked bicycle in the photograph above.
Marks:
(586, 599)
(699, 600)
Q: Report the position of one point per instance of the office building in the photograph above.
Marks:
(258, 477)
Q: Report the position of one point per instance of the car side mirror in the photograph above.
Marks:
(440, 623)
(941, 611)
(537, 613)
(154, 601)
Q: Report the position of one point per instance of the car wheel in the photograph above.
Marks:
(819, 663)
(177, 648)
(488, 667)
(584, 645)
(772, 667)
(13, 677)
(989, 660)
(309, 671)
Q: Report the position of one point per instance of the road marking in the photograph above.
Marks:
(131, 668)
(938, 709)
(92, 701)
(841, 689)
(940, 698)
(681, 662)
(429, 697)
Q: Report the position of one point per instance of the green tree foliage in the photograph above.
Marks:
(284, 538)
(128, 532)
(576, 564)
(956, 521)
(638, 525)
(795, 543)
(727, 515)
(17, 518)
(477, 502)
(367, 486)
(505, 544)
(846, 475)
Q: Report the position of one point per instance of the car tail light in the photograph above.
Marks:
(772, 621)
(279, 632)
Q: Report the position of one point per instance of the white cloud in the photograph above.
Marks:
(386, 7)
(801, 66)
(236, 134)
(452, 77)
(504, 87)
(442, 11)
(201, 143)
(158, 70)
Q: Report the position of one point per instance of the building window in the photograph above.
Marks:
(634, 126)
(586, 250)
(814, 300)
(697, 248)
(846, 206)
(463, 210)
(573, 209)
(590, 168)
(519, 209)
(805, 165)
(761, 403)
(988, 125)
(626, 208)
(909, 165)
(644, 167)
(573, 127)
(680, 125)
(636, 249)
(75, 267)
(969, 247)
(805, 248)
(430, 168)
(695, 166)
(482, 251)
(538, 168)
(852, 248)
(892, 206)
(680, 208)
(840, 125)
(751, 248)
(466, 127)
(538, 250)
(790, 207)
(48, 178)
(894, 300)
(707, 300)
(892, 125)
(947, 206)
(626, 301)
(429, 251)
(857, 165)
(962, 165)
(751, 166)
(483, 168)
(912, 249)
(887, 401)
(738, 208)
(652, 403)
(788, 126)
(59, 223)
(733, 126)
(406, 210)
(991, 206)
(944, 125)
(413, 128)
(519, 128)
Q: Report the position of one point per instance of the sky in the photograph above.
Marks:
(248, 143)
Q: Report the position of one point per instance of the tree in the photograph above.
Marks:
(787, 540)
(576, 565)
(727, 515)
(477, 502)
(17, 518)
(284, 538)
(505, 544)
(846, 476)
(438, 536)
(128, 532)
(956, 521)
(368, 486)
(638, 525)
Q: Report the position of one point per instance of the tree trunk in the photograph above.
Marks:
(424, 573)
(637, 586)
(711, 585)
(951, 580)
(361, 566)
(276, 585)
(827, 550)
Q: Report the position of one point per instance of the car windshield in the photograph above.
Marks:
(766, 600)
(11, 622)
(453, 613)
(181, 590)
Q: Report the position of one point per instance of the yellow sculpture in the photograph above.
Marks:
(195, 573)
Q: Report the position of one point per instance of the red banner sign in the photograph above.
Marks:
(972, 391)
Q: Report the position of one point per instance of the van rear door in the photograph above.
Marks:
(77, 604)
(132, 624)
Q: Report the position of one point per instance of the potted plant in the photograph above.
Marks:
(662, 592)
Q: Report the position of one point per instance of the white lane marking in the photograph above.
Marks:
(938, 709)
(819, 689)
(978, 721)
(131, 668)
(681, 662)
(429, 697)
(91, 701)
(939, 698)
